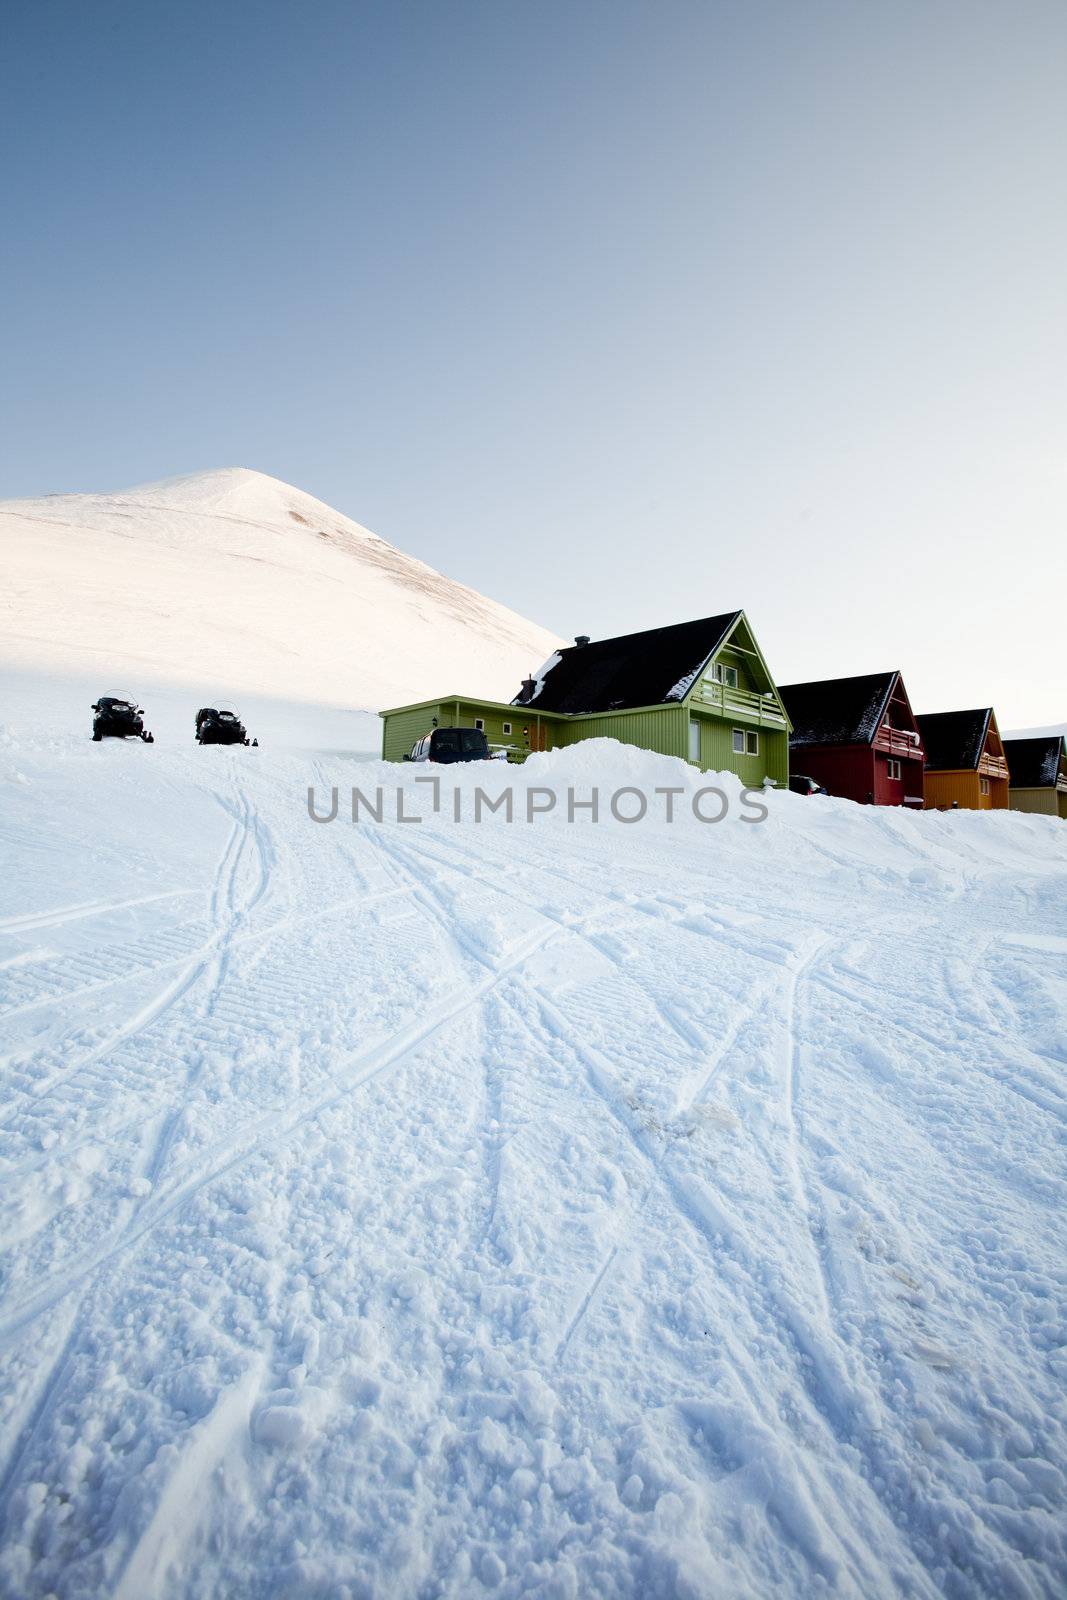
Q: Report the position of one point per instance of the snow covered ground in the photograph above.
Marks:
(435, 1209)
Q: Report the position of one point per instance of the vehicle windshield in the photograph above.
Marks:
(460, 741)
(107, 703)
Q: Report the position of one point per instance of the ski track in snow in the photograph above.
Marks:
(436, 1210)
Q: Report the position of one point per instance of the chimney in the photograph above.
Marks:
(581, 640)
(527, 689)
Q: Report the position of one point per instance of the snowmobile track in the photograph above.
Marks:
(255, 1136)
(601, 1077)
(78, 913)
(515, 1184)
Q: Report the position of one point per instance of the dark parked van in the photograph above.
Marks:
(446, 745)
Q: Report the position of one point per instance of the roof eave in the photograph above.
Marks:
(894, 678)
(462, 699)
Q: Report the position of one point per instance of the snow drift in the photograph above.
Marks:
(599, 1209)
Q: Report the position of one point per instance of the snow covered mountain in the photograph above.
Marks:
(238, 584)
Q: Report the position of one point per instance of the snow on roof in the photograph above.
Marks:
(685, 683)
(635, 669)
(543, 671)
(1035, 763)
(837, 710)
(954, 740)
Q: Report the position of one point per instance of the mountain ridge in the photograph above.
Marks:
(240, 581)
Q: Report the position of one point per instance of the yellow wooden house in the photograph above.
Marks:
(965, 761)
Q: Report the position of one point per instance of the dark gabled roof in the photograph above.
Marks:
(636, 669)
(1035, 763)
(954, 740)
(838, 710)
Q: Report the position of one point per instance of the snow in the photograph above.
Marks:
(433, 1209)
(541, 674)
(233, 584)
(685, 683)
(1050, 767)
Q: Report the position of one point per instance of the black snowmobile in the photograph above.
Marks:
(119, 719)
(220, 727)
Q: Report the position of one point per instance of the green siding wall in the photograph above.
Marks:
(776, 756)
(661, 730)
(402, 728)
(717, 753)
(1048, 802)
(526, 727)
(667, 732)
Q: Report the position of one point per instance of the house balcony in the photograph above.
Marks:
(992, 767)
(898, 742)
(745, 704)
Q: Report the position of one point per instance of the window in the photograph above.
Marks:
(894, 768)
(479, 723)
(726, 675)
(752, 744)
(451, 743)
(507, 727)
(694, 740)
(983, 784)
(739, 741)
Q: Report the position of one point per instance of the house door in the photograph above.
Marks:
(694, 740)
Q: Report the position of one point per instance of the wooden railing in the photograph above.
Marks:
(742, 702)
(898, 742)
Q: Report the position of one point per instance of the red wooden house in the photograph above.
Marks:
(858, 737)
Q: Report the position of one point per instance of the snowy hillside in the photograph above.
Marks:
(235, 584)
(424, 1210)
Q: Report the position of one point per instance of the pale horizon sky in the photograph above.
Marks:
(620, 313)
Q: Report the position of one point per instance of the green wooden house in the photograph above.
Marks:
(699, 690)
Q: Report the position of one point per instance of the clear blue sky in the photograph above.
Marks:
(620, 312)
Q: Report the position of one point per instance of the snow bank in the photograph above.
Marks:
(542, 1208)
